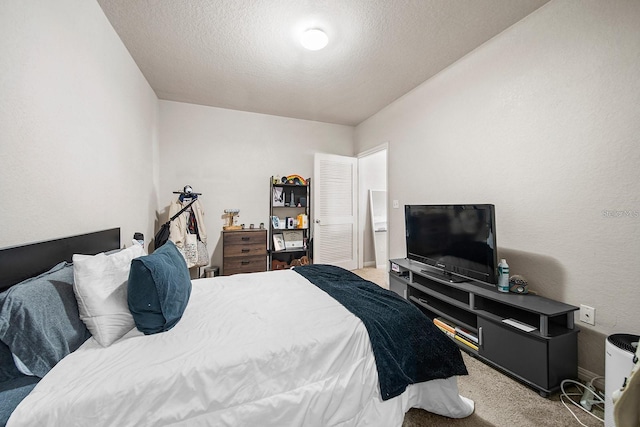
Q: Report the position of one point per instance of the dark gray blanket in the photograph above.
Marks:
(407, 346)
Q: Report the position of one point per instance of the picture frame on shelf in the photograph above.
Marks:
(278, 242)
(293, 239)
(275, 221)
(278, 196)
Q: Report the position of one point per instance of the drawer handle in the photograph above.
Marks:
(245, 238)
(246, 262)
(244, 250)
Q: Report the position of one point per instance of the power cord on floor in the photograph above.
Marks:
(588, 397)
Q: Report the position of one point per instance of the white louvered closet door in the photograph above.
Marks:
(335, 227)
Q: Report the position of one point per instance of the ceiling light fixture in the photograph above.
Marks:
(314, 39)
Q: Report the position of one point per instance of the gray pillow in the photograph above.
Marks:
(39, 319)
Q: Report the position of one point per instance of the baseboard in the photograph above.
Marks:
(369, 264)
(586, 376)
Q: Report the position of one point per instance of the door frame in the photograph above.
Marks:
(363, 198)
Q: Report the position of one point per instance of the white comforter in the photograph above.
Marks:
(261, 349)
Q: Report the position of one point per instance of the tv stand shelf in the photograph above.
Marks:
(541, 358)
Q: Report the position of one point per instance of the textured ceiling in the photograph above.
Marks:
(245, 54)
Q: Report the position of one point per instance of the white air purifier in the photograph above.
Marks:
(619, 352)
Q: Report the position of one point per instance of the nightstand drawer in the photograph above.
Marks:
(245, 250)
(249, 264)
(246, 238)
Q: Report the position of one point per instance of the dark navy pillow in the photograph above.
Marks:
(158, 290)
(11, 394)
(8, 369)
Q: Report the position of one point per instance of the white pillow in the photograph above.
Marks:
(100, 286)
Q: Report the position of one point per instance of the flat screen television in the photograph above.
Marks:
(456, 241)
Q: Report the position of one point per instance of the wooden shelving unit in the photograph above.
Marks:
(296, 200)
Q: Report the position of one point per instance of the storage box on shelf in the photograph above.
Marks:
(529, 337)
(290, 226)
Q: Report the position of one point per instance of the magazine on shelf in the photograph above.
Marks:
(445, 324)
(456, 332)
(520, 325)
(467, 343)
(446, 331)
(466, 335)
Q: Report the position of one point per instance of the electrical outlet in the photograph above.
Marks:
(396, 204)
(587, 314)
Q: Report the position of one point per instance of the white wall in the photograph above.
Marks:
(541, 121)
(77, 125)
(229, 156)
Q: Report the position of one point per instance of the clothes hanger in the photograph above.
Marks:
(187, 192)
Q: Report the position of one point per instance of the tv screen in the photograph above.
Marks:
(457, 240)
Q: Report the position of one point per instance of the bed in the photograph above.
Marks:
(288, 347)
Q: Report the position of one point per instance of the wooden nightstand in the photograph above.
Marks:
(244, 251)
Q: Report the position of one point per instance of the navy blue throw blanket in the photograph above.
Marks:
(407, 346)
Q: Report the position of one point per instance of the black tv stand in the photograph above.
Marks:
(444, 275)
(541, 358)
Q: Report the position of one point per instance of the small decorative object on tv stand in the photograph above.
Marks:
(528, 337)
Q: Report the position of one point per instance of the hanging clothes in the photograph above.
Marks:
(187, 226)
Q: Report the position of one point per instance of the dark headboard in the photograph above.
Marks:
(21, 262)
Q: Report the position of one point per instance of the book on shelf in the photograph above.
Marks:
(456, 332)
(466, 335)
(446, 331)
(445, 324)
(467, 343)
